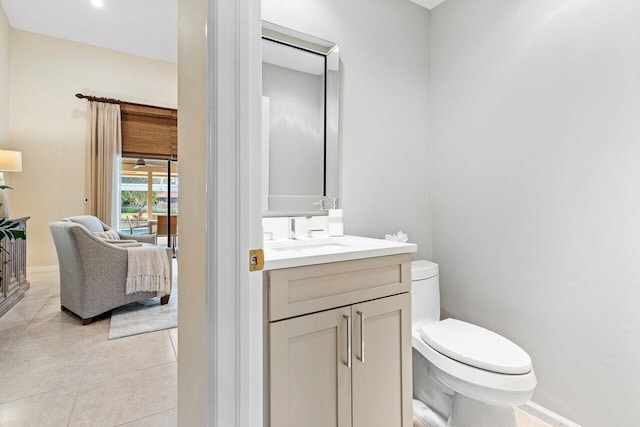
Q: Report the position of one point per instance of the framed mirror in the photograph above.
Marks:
(300, 154)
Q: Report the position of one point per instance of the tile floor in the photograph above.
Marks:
(525, 420)
(56, 372)
(522, 418)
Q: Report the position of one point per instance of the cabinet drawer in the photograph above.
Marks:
(302, 290)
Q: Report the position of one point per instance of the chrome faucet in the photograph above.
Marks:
(310, 232)
(292, 228)
(320, 204)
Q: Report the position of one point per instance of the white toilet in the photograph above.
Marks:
(463, 375)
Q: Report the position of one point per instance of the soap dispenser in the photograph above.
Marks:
(336, 227)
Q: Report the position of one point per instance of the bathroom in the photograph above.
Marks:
(501, 137)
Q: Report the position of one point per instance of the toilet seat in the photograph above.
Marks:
(480, 384)
(476, 347)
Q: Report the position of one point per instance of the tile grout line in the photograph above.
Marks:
(80, 383)
(173, 345)
(25, 326)
(34, 395)
(86, 365)
(125, 373)
(75, 399)
(146, 416)
(97, 381)
(14, 339)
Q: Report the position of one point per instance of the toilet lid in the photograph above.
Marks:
(476, 346)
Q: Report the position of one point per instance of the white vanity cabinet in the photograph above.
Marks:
(338, 344)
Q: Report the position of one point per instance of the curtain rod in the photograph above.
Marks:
(117, 101)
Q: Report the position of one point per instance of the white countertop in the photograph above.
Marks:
(280, 254)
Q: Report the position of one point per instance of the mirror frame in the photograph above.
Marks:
(279, 206)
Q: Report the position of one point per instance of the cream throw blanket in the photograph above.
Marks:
(148, 270)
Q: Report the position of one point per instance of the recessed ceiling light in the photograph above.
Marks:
(97, 3)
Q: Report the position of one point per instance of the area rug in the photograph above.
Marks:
(146, 315)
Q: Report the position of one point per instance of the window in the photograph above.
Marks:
(149, 198)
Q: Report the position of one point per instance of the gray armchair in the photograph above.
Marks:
(93, 271)
(93, 224)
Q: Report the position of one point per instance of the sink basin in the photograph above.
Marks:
(326, 245)
(292, 253)
(299, 248)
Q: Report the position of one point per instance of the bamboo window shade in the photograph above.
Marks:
(149, 132)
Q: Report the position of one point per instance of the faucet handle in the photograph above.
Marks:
(321, 204)
(310, 232)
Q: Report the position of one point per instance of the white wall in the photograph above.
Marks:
(384, 55)
(49, 124)
(5, 36)
(536, 202)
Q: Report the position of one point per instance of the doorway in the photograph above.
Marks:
(149, 199)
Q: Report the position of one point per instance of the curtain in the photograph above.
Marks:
(106, 153)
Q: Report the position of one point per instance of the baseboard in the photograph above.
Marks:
(41, 269)
(546, 415)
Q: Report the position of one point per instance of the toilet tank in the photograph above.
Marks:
(425, 292)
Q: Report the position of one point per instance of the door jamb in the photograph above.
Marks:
(234, 295)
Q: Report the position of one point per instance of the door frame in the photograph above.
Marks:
(234, 221)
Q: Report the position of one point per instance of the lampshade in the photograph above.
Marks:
(10, 161)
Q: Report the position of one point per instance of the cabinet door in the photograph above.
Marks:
(381, 374)
(310, 378)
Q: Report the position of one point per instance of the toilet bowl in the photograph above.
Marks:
(464, 375)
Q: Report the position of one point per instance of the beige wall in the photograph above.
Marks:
(385, 152)
(192, 123)
(5, 35)
(49, 125)
(536, 107)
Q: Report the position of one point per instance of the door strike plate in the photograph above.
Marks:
(256, 260)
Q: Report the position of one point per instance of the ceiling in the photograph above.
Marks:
(146, 28)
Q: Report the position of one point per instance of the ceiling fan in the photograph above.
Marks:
(141, 163)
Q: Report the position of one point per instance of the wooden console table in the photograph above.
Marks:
(13, 264)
